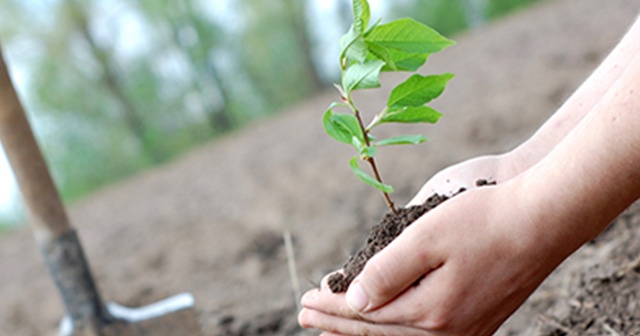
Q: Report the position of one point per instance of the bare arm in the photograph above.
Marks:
(580, 103)
(504, 167)
(595, 170)
(481, 254)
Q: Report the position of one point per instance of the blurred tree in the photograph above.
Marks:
(111, 80)
(452, 16)
(197, 39)
(9, 25)
(96, 133)
(115, 86)
(497, 8)
(6, 221)
(69, 73)
(5, 225)
(446, 16)
(103, 107)
(297, 12)
(272, 52)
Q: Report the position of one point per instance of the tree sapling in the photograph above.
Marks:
(398, 46)
(401, 45)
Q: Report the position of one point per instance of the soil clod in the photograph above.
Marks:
(379, 237)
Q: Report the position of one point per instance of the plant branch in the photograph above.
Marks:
(386, 196)
(371, 161)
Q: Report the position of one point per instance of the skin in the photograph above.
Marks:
(485, 251)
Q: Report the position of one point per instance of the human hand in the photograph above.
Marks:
(481, 257)
(493, 168)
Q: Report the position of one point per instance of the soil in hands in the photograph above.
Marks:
(382, 234)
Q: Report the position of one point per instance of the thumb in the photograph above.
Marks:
(393, 269)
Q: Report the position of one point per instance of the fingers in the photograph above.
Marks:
(446, 182)
(417, 303)
(327, 302)
(394, 269)
(335, 325)
(420, 305)
(309, 318)
(464, 175)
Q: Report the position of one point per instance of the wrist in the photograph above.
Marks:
(567, 203)
(513, 163)
(548, 227)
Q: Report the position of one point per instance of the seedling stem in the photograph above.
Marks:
(401, 45)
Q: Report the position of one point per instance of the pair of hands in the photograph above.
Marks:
(480, 257)
(483, 252)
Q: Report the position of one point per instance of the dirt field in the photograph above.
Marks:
(211, 223)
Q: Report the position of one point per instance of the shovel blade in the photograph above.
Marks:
(172, 316)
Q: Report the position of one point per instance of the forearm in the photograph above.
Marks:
(580, 103)
(593, 174)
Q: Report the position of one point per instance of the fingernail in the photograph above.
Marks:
(356, 299)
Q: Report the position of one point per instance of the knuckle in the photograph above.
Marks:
(437, 321)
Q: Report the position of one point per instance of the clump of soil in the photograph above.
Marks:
(383, 233)
(380, 236)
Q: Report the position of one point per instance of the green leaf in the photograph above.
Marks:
(384, 54)
(369, 152)
(342, 127)
(409, 36)
(368, 179)
(411, 115)
(362, 75)
(403, 61)
(363, 149)
(402, 140)
(418, 90)
(353, 46)
(361, 15)
(373, 26)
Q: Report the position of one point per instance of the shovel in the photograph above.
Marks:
(86, 314)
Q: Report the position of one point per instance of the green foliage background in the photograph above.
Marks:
(117, 86)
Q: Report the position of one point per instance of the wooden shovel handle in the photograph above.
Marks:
(48, 217)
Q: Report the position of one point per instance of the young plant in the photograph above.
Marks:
(366, 51)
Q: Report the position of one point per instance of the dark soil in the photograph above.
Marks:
(381, 235)
(607, 305)
(605, 297)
